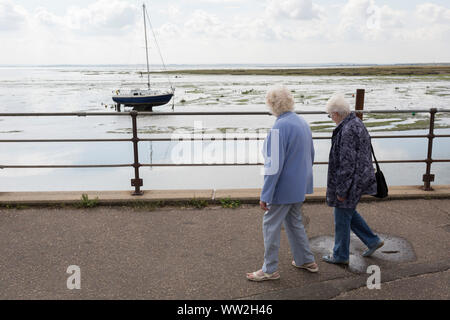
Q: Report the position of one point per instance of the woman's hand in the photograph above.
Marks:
(263, 205)
(341, 199)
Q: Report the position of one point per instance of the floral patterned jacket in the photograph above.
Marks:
(350, 170)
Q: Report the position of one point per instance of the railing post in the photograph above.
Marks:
(428, 177)
(136, 182)
(359, 104)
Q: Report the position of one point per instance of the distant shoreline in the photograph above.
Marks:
(325, 71)
(419, 69)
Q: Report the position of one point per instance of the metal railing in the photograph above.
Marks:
(137, 182)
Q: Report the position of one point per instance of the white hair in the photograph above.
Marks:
(337, 103)
(280, 100)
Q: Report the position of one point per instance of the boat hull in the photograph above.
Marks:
(143, 101)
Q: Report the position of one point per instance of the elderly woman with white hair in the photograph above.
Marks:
(289, 155)
(350, 175)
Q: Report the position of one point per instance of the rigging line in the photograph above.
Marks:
(157, 46)
(146, 46)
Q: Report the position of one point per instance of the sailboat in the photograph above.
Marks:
(144, 99)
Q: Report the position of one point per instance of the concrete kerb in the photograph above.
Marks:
(183, 197)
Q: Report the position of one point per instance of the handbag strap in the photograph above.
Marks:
(375, 158)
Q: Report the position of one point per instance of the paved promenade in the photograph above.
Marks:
(179, 252)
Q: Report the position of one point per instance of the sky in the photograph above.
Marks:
(37, 32)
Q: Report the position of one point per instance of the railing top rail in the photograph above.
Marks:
(209, 137)
(85, 114)
(62, 114)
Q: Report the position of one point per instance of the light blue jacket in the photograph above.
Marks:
(288, 174)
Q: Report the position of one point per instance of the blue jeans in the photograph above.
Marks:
(344, 221)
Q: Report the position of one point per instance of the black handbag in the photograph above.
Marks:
(382, 188)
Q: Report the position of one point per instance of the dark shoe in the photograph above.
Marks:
(369, 252)
(330, 259)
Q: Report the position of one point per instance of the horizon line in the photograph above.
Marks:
(232, 64)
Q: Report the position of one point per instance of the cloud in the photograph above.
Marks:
(364, 20)
(220, 1)
(100, 17)
(40, 36)
(103, 16)
(257, 29)
(390, 18)
(169, 30)
(429, 12)
(46, 18)
(303, 20)
(209, 26)
(354, 18)
(341, 30)
(356, 30)
(293, 9)
(202, 22)
(12, 16)
(433, 23)
(174, 12)
(265, 27)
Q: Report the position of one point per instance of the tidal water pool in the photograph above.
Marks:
(89, 89)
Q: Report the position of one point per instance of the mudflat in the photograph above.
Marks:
(395, 70)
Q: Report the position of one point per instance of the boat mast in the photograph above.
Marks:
(146, 47)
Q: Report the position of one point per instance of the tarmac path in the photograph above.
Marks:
(185, 253)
